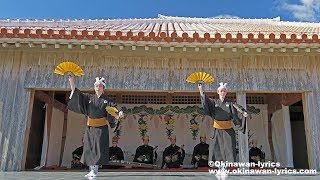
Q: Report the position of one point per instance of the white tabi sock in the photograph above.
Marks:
(92, 172)
(96, 168)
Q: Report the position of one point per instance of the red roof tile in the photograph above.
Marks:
(165, 28)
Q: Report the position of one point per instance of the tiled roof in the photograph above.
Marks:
(165, 28)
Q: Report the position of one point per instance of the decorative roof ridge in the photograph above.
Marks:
(71, 22)
(237, 20)
(160, 19)
(4, 20)
(160, 16)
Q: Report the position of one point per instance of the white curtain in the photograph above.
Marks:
(51, 152)
(56, 129)
(44, 145)
(75, 130)
(281, 137)
(258, 129)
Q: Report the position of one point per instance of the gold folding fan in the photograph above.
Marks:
(200, 77)
(112, 111)
(69, 67)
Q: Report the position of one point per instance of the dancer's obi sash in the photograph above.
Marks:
(97, 122)
(226, 124)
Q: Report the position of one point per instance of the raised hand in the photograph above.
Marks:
(121, 114)
(71, 81)
(200, 88)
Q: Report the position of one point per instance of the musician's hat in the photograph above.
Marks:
(222, 85)
(115, 139)
(254, 141)
(173, 136)
(146, 137)
(203, 135)
(100, 80)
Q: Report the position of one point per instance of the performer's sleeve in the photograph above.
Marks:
(193, 160)
(260, 154)
(165, 153)
(208, 105)
(238, 120)
(136, 155)
(121, 155)
(183, 154)
(79, 102)
(250, 153)
(110, 153)
(112, 121)
(113, 104)
(151, 155)
(73, 154)
(155, 156)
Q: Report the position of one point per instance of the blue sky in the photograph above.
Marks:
(288, 10)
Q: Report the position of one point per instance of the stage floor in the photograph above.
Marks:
(50, 175)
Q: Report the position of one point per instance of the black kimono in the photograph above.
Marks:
(200, 155)
(255, 155)
(76, 154)
(96, 139)
(115, 154)
(222, 141)
(144, 154)
(172, 158)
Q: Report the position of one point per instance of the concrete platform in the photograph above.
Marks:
(160, 175)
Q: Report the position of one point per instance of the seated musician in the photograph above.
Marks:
(144, 153)
(255, 154)
(76, 156)
(115, 152)
(201, 153)
(173, 155)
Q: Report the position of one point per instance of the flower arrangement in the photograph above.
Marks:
(194, 126)
(143, 126)
(169, 121)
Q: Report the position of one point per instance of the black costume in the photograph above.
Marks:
(115, 154)
(172, 158)
(223, 139)
(144, 154)
(96, 138)
(77, 153)
(76, 156)
(200, 155)
(254, 151)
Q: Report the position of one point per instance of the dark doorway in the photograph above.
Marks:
(299, 146)
(36, 135)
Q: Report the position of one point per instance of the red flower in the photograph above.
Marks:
(167, 118)
(194, 138)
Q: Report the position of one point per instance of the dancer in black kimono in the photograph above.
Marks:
(145, 152)
(173, 155)
(224, 115)
(96, 137)
(201, 153)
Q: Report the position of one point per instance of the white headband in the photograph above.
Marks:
(222, 86)
(100, 80)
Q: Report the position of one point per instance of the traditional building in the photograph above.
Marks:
(268, 62)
